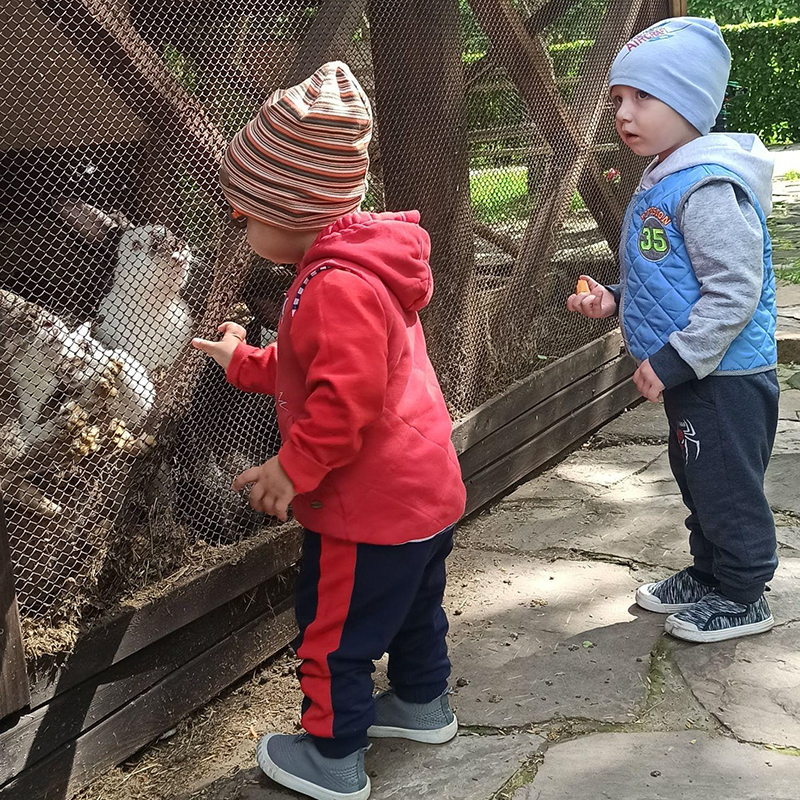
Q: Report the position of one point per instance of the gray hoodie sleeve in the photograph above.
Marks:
(724, 241)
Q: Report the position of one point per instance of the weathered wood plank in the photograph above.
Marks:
(485, 485)
(14, 693)
(542, 416)
(38, 733)
(134, 629)
(534, 388)
(83, 759)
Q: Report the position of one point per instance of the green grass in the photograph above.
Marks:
(501, 195)
(789, 274)
(791, 175)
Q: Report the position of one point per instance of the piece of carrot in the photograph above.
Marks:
(582, 286)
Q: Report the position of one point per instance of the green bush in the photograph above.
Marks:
(766, 62)
(734, 12)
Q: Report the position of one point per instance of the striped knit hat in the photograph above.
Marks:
(302, 163)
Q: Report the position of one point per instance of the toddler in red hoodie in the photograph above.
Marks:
(366, 460)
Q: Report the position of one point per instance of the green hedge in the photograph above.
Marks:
(766, 61)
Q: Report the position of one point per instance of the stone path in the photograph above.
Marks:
(563, 687)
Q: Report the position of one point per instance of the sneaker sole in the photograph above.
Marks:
(685, 630)
(435, 736)
(650, 602)
(284, 778)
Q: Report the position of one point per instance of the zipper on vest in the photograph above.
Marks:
(623, 266)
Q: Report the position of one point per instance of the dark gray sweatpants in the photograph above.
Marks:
(721, 433)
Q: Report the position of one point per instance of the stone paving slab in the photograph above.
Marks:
(790, 404)
(788, 295)
(642, 523)
(751, 685)
(782, 482)
(607, 466)
(787, 437)
(655, 481)
(645, 423)
(532, 640)
(468, 768)
(662, 766)
(788, 533)
(550, 489)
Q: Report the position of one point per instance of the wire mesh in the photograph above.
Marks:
(118, 443)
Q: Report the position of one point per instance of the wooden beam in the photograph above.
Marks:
(570, 164)
(570, 132)
(544, 16)
(38, 733)
(82, 759)
(536, 387)
(539, 418)
(108, 41)
(327, 39)
(488, 483)
(14, 692)
(677, 8)
(527, 62)
(416, 54)
(618, 24)
(134, 629)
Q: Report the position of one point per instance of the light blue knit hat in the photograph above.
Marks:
(683, 62)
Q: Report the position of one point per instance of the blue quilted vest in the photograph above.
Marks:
(660, 288)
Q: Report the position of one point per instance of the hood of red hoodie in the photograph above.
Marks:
(391, 245)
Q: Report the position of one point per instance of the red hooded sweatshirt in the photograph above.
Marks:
(364, 425)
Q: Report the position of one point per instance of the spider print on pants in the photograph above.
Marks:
(687, 436)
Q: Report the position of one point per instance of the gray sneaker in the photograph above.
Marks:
(431, 723)
(676, 593)
(295, 762)
(716, 618)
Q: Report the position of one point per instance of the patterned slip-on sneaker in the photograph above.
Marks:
(715, 618)
(676, 593)
(295, 762)
(431, 723)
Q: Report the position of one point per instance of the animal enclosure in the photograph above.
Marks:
(118, 442)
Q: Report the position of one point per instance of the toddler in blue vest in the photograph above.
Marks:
(696, 302)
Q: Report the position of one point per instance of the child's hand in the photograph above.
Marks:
(647, 382)
(597, 303)
(222, 351)
(272, 489)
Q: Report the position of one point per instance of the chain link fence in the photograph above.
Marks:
(118, 443)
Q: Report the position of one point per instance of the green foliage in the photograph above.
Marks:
(474, 41)
(568, 57)
(766, 62)
(733, 12)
